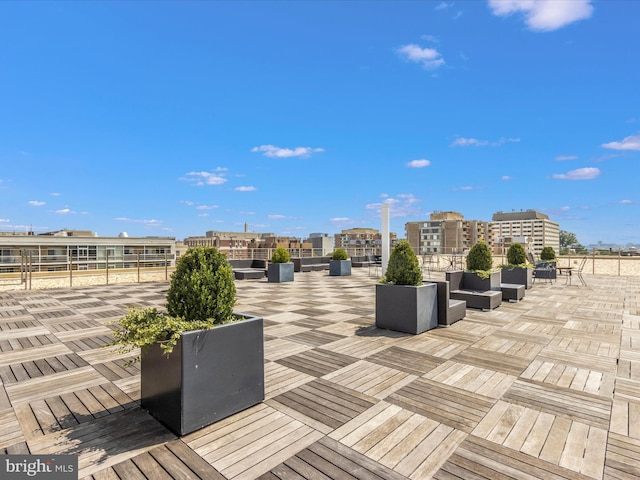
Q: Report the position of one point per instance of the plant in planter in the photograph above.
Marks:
(339, 265)
(480, 274)
(403, 302)
(548, 254)
(517, 271)
(281, 268)
(200, 361)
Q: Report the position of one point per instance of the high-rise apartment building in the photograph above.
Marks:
(535, 226)
(447, 233)
(359, 240)
(321, 242)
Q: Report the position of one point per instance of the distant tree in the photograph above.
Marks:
(581, 249)
(567, 239)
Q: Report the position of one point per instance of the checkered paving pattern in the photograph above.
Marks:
(545, 388)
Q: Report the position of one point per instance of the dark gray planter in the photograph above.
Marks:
(210, 375)
(340, 268)
(517, 275)
(280, 272)
(406, 308)
(472, 281)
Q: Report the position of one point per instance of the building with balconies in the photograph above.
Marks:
(536, 226)
(82, 250)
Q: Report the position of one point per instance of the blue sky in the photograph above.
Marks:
(174, 118)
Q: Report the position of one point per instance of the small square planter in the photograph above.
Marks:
(340, 268)
(472, 281)
(210, 375)
(407, 308)
(517, 275)
(280, 272)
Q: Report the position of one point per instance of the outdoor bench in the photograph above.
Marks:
(449, 310)
(512, 292)
(248, 268)
(310, 264)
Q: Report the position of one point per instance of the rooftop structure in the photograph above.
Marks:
(83, 250)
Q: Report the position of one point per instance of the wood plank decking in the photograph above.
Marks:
(545, 388)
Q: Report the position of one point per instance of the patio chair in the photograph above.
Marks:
(544, 271)
(580, 268)
(375, 262)
(429, 263)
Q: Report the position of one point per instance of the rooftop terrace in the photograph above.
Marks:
(545, 388)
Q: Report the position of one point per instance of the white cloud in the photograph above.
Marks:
(150, 223)
(466, 187)
(55, 194)
(429, 58)
(544, 15)
(340, 220)
(631, 142)
(429, 38)
(443, 6)
(506, 177)
(419, 163)
(64, 211)
(272, 151)
(587, 173)
(276, 216)
(562, 158)
(474, 142)
(402, 205)
(469, 142)
(206, 207)
(627, 202)
(206, 178)
(4, 220)
(246, 188)
(36, 203)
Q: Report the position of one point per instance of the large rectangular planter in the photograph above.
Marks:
(472, 281)
(517, 276)
(407, 308)
(280, 272)
(340, 268)
(210, 375)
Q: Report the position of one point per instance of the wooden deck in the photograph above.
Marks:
(545, 388)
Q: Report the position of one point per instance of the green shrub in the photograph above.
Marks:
(280, 255)
(202, 294)
(339, 254)
(548, 254)
(202, 287)
(403, 267)
(479, 257)
(516, 255)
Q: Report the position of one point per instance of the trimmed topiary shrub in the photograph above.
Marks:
(516, 255)
(280, 255)
(479, 258)
(202, 294)
(202, 287)
(548, 254)
(339, 254)
(403, 267)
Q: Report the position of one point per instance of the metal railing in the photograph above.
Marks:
(50, 269)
